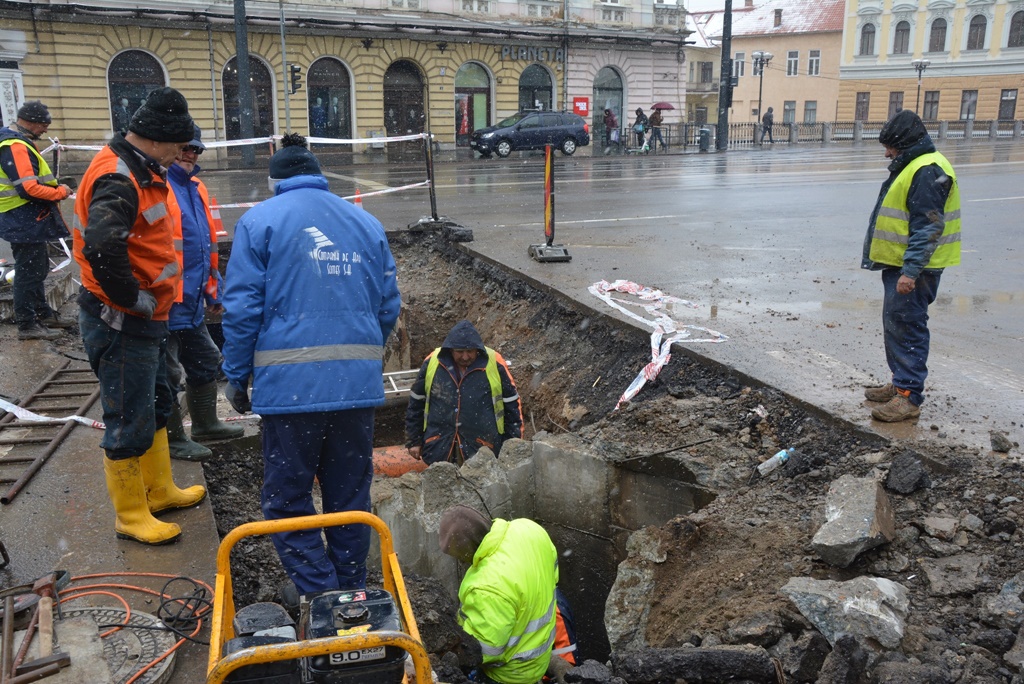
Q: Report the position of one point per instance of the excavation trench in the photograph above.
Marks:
(589, 474)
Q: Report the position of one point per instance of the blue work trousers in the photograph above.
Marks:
(335, 447)
(31, 264)
(192, 357)
(132, 372)
(905, 322)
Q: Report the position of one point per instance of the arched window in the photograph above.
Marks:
(937, 38)
(472, 101)
(262, 99)
(867, 39)
(535, 91)
(1016, 37)
(901, 38)
(608, 94)
(976, 33)
(132, 76)
(404, 108)
(330, 99)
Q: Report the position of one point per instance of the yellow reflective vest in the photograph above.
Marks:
(493, 378)
(507, 601)
(9, 197)
(892, 225)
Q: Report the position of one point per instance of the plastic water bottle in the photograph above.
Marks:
(775, 461)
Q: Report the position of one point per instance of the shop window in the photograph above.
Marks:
(330, 95)
(607, 95)
(262, 99)
(535, 88)
(472, 101)
(131, 77)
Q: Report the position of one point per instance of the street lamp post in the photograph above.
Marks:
(920, 65)
(761, 59)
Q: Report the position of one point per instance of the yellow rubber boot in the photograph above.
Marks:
(128, 494)
(161, 491)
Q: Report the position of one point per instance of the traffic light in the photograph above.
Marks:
(296, 72)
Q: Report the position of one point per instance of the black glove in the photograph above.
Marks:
(145, 305)
(238, 397)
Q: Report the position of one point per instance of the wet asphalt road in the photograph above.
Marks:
(767, 243)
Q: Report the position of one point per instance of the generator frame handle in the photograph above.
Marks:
(221, 629)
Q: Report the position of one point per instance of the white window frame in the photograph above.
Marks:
(739, 64)
(792, 62)
(814, 62)
(811, 107)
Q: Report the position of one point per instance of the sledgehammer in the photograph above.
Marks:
(48, 586)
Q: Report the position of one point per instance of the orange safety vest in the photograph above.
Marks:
(150, 241)
(213, 220)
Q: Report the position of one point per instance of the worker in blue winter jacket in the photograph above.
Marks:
(464, 398)
(192, 356)
(311, 298)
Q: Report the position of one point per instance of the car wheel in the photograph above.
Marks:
(503, 148)
(568, 147)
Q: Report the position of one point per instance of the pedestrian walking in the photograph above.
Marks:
(766, 126)
(640, 126)
(311, 297)
(611, 130)
(29, 218)
(655, 135)
(193, 360)
(124, 246)
(913, 234)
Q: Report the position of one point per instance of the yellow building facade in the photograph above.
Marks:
(969, 54)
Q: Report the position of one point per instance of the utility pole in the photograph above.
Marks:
(285, 83)
(725, 85)
(244, 83)
(920, 65)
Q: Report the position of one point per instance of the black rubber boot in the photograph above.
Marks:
(182, 448)
(202, 406)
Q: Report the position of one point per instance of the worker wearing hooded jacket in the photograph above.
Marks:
(464, 398)
(913, 234)
(508, 595)
(311, 298)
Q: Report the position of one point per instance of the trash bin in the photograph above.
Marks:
(705, 139)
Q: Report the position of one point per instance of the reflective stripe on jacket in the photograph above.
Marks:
(507, 601)
(892, 226)
(150, 240)
(493, 379)
(9, 195)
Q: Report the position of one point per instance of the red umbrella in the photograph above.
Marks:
(662, 105)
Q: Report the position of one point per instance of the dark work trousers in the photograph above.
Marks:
(192, 357)
(31, 265)
(905, 322)
(336, 447)
(136, 396)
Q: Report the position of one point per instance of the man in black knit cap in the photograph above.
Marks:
(124, 244)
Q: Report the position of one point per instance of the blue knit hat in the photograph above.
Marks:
(293, 159)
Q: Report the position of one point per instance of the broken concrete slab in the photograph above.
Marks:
(909, 673)
(1015, 656)
(867, 607)
(858, 517)
(963, 574)
(802, 658)
(907, 474)
(846, 663)
(628, 605)
(941, 527)
(713, 664)
(1006, 609)
(760, 629)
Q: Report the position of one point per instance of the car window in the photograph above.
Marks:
(551, 120)
(511, 121)
(531, 121)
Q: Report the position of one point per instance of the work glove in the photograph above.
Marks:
(557, 667)
(145, 305)
(238, 397)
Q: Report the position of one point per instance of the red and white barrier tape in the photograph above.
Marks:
(653, 302)
(385, 191)
(55, 143)
(25, 414)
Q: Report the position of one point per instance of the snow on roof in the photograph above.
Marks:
(798, 16)
(698, 24)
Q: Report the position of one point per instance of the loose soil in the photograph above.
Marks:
(725, 563)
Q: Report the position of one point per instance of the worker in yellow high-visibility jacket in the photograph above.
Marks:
(914, 233)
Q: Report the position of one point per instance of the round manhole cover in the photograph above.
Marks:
(129, 650)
